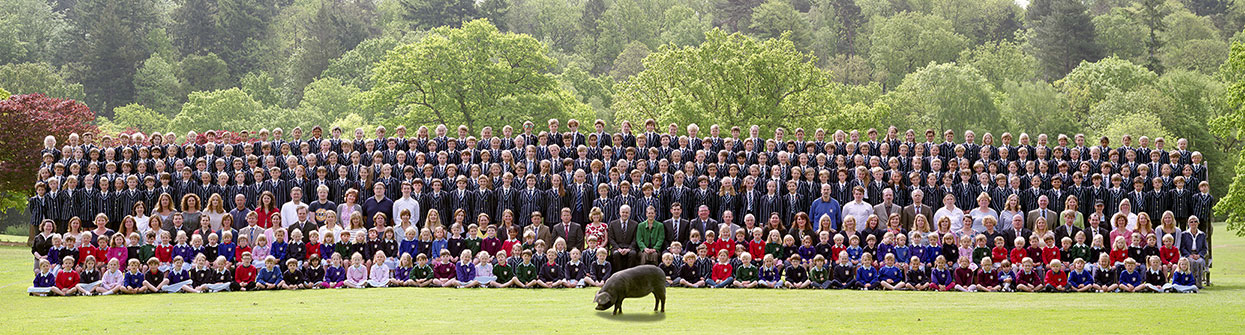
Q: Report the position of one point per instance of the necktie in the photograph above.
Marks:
(568, 230)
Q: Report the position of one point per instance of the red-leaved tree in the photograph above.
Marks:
(24, 121)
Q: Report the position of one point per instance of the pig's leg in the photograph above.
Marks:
(618, 307)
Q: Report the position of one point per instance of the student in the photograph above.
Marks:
(526, 272)
(769, 274)
(796, 275)
(504, 273)
(67, 279)
(1056, 278)
(986, 279)
(669, 269)
(746, 274)
(843, 274)
(916, 278)
(1182, 280)
(891, 276)
(378, 274)
(334, 274)
(402, 273)
(722, 274)
(220, 278)
(689, 274)
(113, 279)
(178, 277)
(244, 275)
(1027, 278)
(1079, 279)
(575, 270)
(600, 270)
(1006, 277)
(465, 270)
(866, 274)
(1105, 275)
(268, 277)
(90, 276)
(941, 278)
(292, 278)
(314, 272)
(45, 281)
(963, 275)
(153, 279)
(999, 252)
(422, 274)
(1155, 279)
(1130, 279)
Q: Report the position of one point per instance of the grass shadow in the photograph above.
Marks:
(643, 316)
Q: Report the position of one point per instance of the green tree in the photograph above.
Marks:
(946, 96)
(351, 122)
(625, 22)
(355, 66)
(1227, 127)
(244, 23)
(4, 95)
(735, 15)
(596, 92)
(1135, 124)
(1090, 83)
(1203, 56)
(553, 21)
(774, 18)
(156, 85)
(28, 30)
(109, 35)
(1063, 37)
(140, 118)
(204, 73)
(850, 22)
(1001, 62)
(1149, 13)
(327, 99)
(1120, 35)
(194, 27)
(222, 109)
(978, 20)
(474, 76)
(1023, 100)
(768, 83)
(630, 62)
(427, 14)
(27, 78)
(902, 43)
(258, 85)
(335, 28)
(684, 26)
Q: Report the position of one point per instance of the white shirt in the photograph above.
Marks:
(860, 210)
(405, 203)
(289, 213)
(956, 216)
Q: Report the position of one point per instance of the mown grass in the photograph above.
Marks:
(1218, 309)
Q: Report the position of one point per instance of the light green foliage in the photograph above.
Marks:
(774, 18)
(1227, 127)
(1062, 36)
(627, 21)
(1024, 100)
(259, 85)
(326, 100)
(355, 66)
(902, 43)
(979, 20)
(156, 85)
(28, 31)
(946, 96)
(730, 79)
(684, 26)
(474, 76)
(4, 95)
(1090, 83)
(555, 22)
(140, 117)
(26, 78)
(351, 122)
(1121, 36)
(224, 109)
(1001, 62)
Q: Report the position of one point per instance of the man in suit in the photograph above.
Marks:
(304, 224)
(678, 228)
(621, 236)
(887, 207)
(542, 231)
(1042, 211)
(702, 223)
(916, 208)
(570, 231)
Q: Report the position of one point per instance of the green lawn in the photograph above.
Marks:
(1219, 309)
